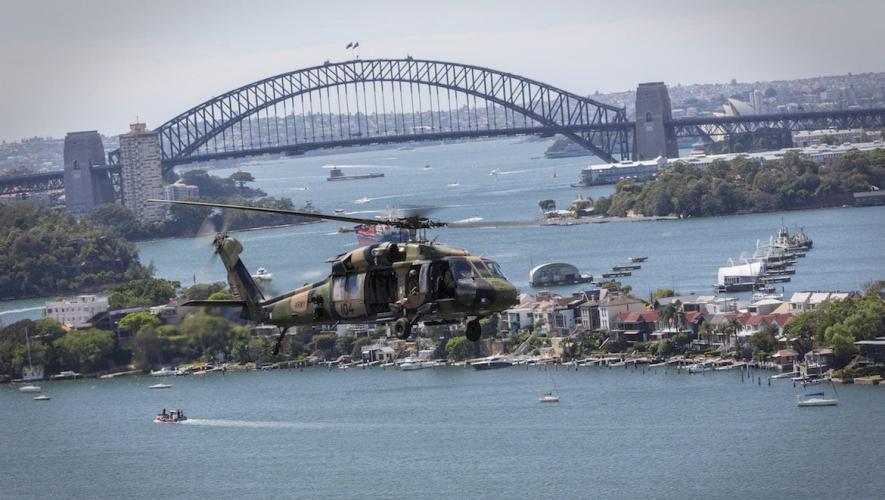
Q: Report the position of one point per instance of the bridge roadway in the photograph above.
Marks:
(684, 127)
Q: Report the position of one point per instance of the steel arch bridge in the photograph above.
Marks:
(385, 101)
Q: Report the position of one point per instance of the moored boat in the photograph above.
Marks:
(42, 397)
(159, 386)
(30, 388)
(492, 362)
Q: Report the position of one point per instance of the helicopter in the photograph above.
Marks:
(395, 283)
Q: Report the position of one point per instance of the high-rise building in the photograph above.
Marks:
(86, 183)
(141, 172)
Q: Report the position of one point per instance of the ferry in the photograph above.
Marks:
(336, 174)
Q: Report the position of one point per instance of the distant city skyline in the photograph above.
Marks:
(99, 64)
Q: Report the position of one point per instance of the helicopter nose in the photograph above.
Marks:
(475, 293)
(465, 292)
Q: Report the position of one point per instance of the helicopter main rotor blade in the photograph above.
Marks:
(297, 213)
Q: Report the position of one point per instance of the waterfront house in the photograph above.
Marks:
(637, 326)
(872, 350)
(785, 359)
(816, 362)
(77, 312)
(808, 301)
(614, 304)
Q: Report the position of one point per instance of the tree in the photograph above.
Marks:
(241, 178)
(147, 348)
(85, 350)
(202, 291)
(222, 295)
(547, 205)
(459, 348)
(842, 342)
(764, 341)
(143, 293)
(134, 322)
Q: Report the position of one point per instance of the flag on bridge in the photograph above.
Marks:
(356, 44)
(349, 45)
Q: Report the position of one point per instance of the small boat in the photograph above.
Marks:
(159, 386)
(362, 201)
(453, 184)
(638, 259)
(67, 374)
(29, 388)
(345, 229)
(817, 399)
(339, 211)
(549, 397)
(170, 417)
(42, 397)
(699, 368)
(164, 372)
(427, 167)
(262, 275)
(495, 172)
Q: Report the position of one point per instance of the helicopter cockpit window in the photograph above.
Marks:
(354, 286)
(482, 270)
(461, 269)
(494, 268)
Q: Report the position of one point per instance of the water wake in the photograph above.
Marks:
(253, 424)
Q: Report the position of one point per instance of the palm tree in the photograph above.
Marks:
(732, 327)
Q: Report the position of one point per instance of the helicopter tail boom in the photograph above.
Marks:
(243, 287)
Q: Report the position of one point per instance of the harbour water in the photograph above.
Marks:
(683, 254)
(443, 432)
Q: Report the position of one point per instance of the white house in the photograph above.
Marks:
(75, 312)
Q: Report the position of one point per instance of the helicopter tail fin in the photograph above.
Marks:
(243, 287)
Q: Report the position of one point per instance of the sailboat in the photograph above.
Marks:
(30, 373)
(818, 398)
(549, 397)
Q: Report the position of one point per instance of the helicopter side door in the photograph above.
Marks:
(348, 294)
(414, 286)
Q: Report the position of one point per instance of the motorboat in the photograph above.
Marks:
(638, 259)
(159, 386)
(67, 374)
(29, 388)
(492, 362)
(262, 275)
(42, 397)
(495, 172)
(362, 201)
(164, 372)
(170, 417)
(699, 368)
(549, 397)
(817, 399)
(411, 363)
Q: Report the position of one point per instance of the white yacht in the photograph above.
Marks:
(42, 397)
(549, 398)
(160, 386)
(30, 388)
(262, 275)
(817, 399)
(164, 372)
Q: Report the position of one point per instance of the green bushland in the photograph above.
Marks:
(186, 221)
(44, 252)
(746, 185)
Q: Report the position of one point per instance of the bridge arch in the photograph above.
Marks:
(599, 127)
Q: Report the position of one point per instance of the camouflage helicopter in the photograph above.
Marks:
(398, 283)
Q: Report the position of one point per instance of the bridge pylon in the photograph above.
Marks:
(653, 136)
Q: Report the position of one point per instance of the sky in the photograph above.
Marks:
(70, 65)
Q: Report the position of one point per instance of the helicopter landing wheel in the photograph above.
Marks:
(474, 331)
(402, 328)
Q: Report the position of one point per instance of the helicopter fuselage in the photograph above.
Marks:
(388, 281)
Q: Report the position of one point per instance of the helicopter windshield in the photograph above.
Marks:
(463, 268)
